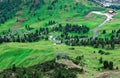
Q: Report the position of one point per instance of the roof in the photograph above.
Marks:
(62, 54)
(58, 41)
(111, 11)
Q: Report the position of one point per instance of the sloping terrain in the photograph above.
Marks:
(32, 32)
(111, 74)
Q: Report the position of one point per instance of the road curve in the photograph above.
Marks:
(109, 17)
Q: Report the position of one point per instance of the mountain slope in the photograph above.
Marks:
(45, 8)
(39, 29)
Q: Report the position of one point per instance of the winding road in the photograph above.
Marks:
(109, 17)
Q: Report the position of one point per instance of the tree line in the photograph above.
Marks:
(97, 42)
(69, 28)
(73, 40)
(41, 34)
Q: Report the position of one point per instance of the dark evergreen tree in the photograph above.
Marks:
(14, 68)
(110, 65)
(105, 64)
(101, 60)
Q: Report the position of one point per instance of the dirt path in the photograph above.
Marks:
(108, 18)
(110, 74)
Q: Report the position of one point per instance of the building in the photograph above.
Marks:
(51, 38)
(61, 56)
(58, 42)
(111, 12)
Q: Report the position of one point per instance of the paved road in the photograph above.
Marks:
(109, 17)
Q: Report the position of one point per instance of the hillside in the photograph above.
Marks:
(84, 36)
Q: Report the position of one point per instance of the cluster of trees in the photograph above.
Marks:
(69, 28)
(98, 42)
(41, 33)
(8, 8)
(114, 7)
(27, 37)
(103, 52)
(65, 37)
(106, 64)
(27, 27)
(51, 22)
(116, 33)
(41, 71)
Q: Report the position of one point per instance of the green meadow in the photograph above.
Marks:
(29, 54)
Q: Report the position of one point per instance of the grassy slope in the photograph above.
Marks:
(28, 54)
(59, 15)
(112, 25)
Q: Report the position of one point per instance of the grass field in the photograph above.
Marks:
(28, 48)
(92, 22)
(28, 54)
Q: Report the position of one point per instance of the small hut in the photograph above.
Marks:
(111, 12)
(61, 56)
(51, 38)
(58, 42)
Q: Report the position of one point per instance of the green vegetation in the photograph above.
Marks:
(8, 9)
(29, 54)
(49, 68)
(25, 44)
